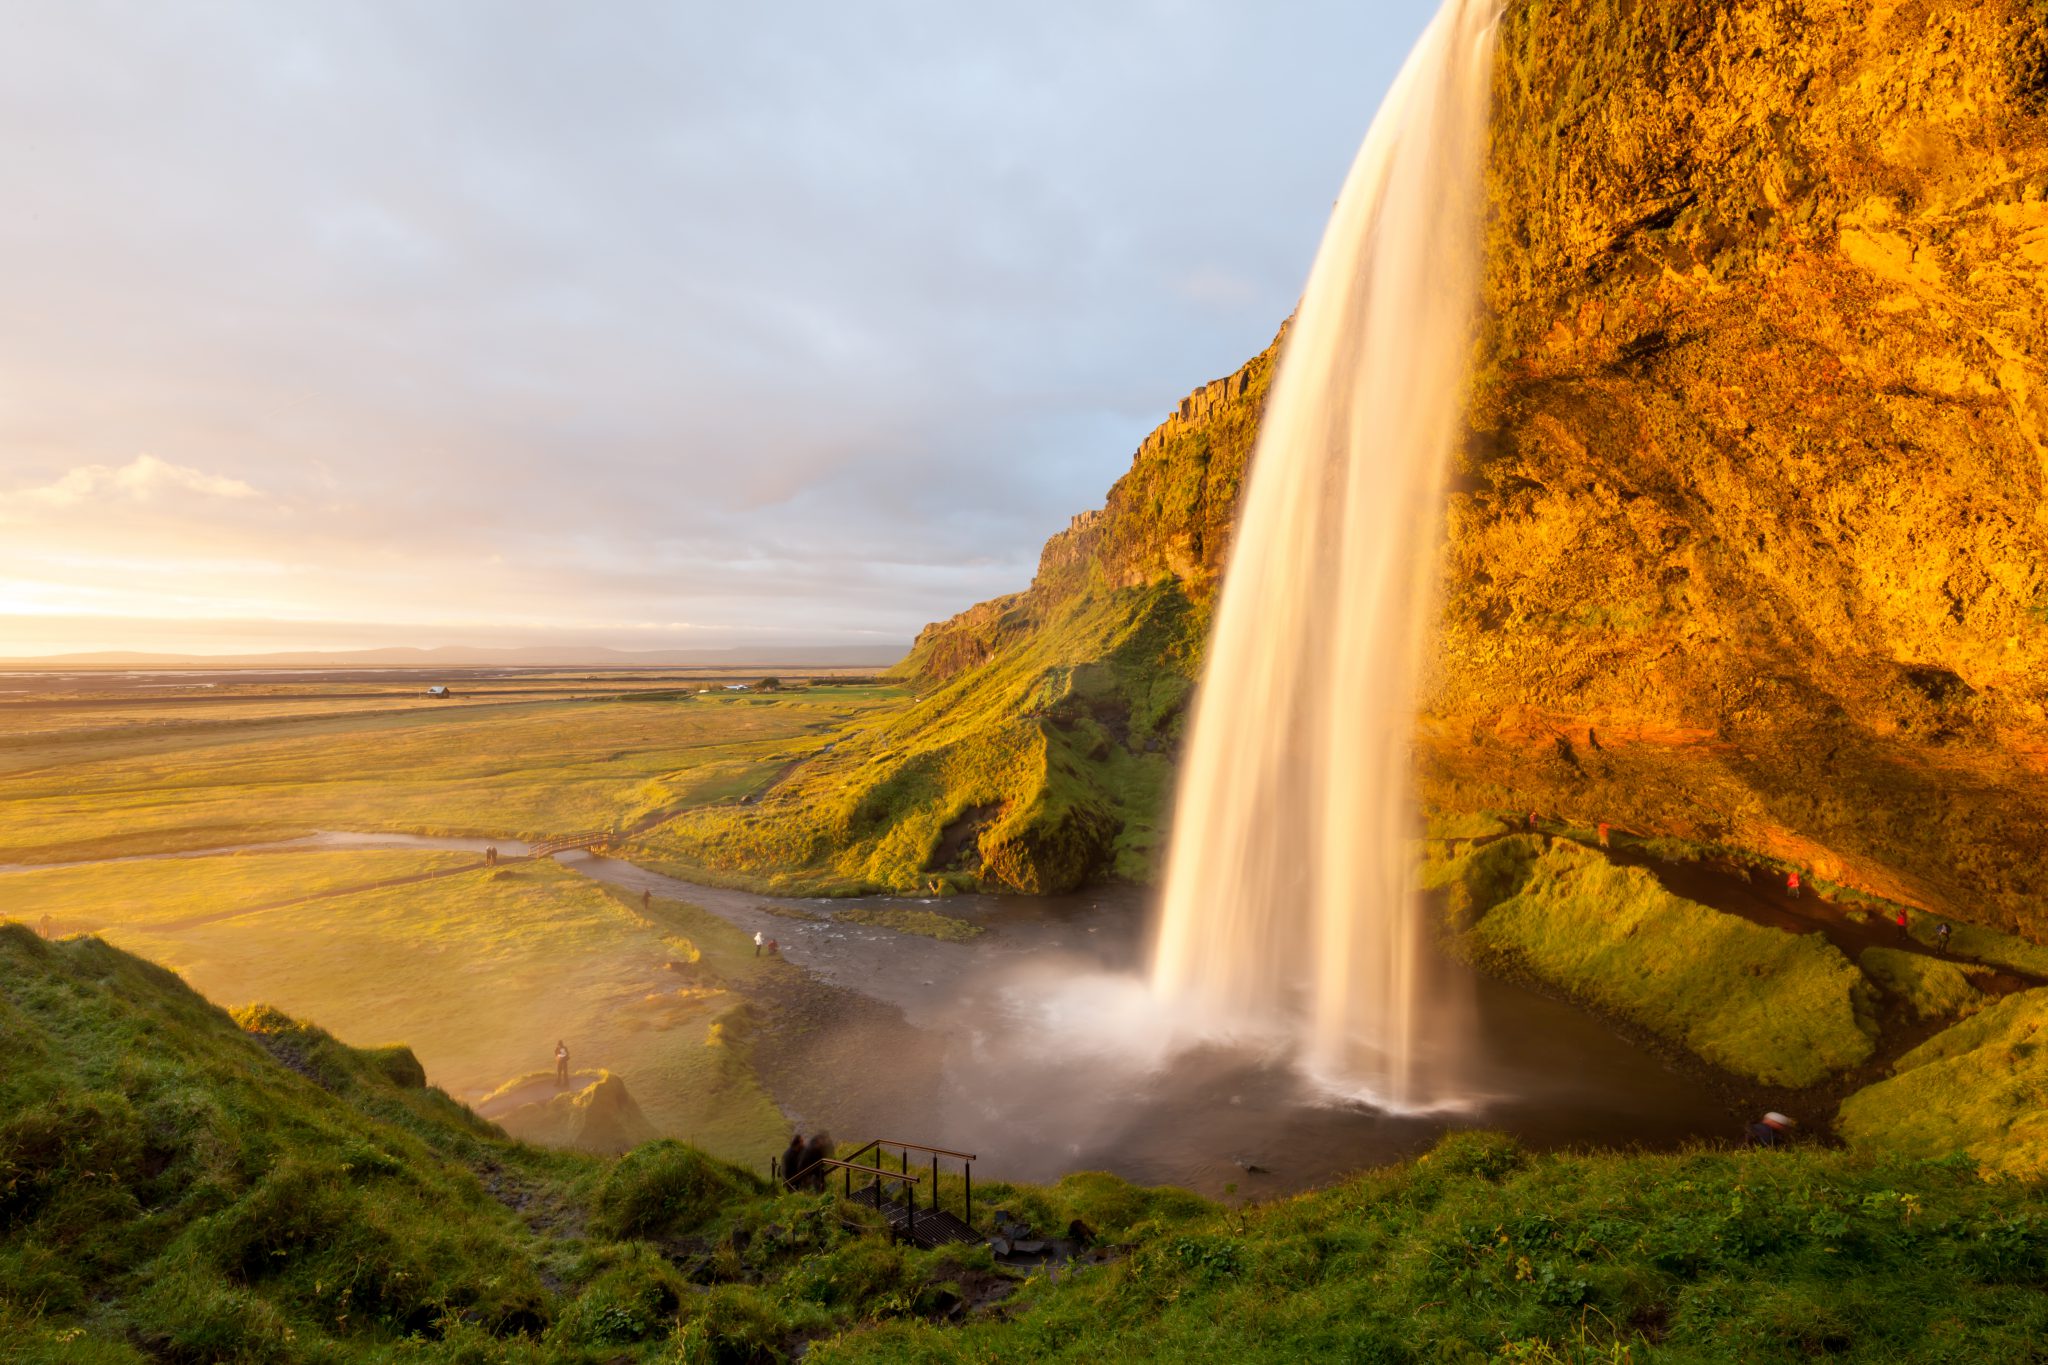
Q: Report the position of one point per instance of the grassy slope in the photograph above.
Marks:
(1053, 752)
(1932, 988)
(1980, 1087)
(1787, 1009)
(175, 1186)
(482, 971)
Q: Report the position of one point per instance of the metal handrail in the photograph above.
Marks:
(920, 1147)
(849, 1167)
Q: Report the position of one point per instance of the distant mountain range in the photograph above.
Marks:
(467, 656)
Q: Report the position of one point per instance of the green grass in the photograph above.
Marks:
(1980, 1088)
(1933, 988)
(1481, 1252)
(481, 971)
(175, 1187)
(1058, 744)
(519, 769)
(1787, 1009)
(928, 923)
(163, 892)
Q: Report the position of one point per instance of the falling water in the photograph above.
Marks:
(1289, 894)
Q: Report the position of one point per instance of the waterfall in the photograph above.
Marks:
(1289, 898)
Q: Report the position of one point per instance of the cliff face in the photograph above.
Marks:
(1747, 542)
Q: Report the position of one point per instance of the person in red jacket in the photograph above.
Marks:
(1792, 884)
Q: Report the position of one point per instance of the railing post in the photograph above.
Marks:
(935, 1182)
(967, 1174)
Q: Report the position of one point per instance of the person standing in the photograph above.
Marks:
(561, 1062)
(646, 900)
(759, 939)
(1941, 938)
(1901, 922)
(1603, 834)
(792, 1158)
(1792, 883)
(47, 927)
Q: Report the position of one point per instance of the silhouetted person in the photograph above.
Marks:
(1901, 922)
(792, 1156)
(561, 1063)
(491, 856)
(818, 1149)
(1772, 1130)
(1792, 884)
(646, 900)
(1941, 939)
(46, 927)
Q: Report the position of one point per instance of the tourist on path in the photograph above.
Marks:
(792, 1157)
(646, 900)
(818, 1149)
(1603, 834)
(561, 1062)
(1941, 938)
(1772, 1130)
(46, 927)
(1532, 819)
(1792, 884)
(1901, 922)
(759, 939)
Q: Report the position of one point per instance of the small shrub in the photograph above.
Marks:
(731, 1325)
(665, 1187)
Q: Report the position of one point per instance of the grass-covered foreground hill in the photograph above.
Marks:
(179, 1185)
(1748, 541)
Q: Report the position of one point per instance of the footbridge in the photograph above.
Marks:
(589, 840)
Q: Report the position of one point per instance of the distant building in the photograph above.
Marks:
(439, 691)
(735, 687)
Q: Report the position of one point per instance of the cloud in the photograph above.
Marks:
(817, 315)
(140, 480)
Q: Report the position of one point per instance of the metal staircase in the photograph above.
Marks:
(928, 1226)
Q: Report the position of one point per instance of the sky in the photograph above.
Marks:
(645, 325)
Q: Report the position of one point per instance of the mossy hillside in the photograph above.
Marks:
(1931, 988)
(1980, 1088)
(1479, 1251)
(1032, 772)
(1786, 1009)
(175, 1187)
(178, 1186)
(215, 1193)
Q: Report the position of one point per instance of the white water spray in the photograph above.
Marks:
(1289, 899)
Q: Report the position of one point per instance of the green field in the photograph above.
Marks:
(151, 778)
(479, 970)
